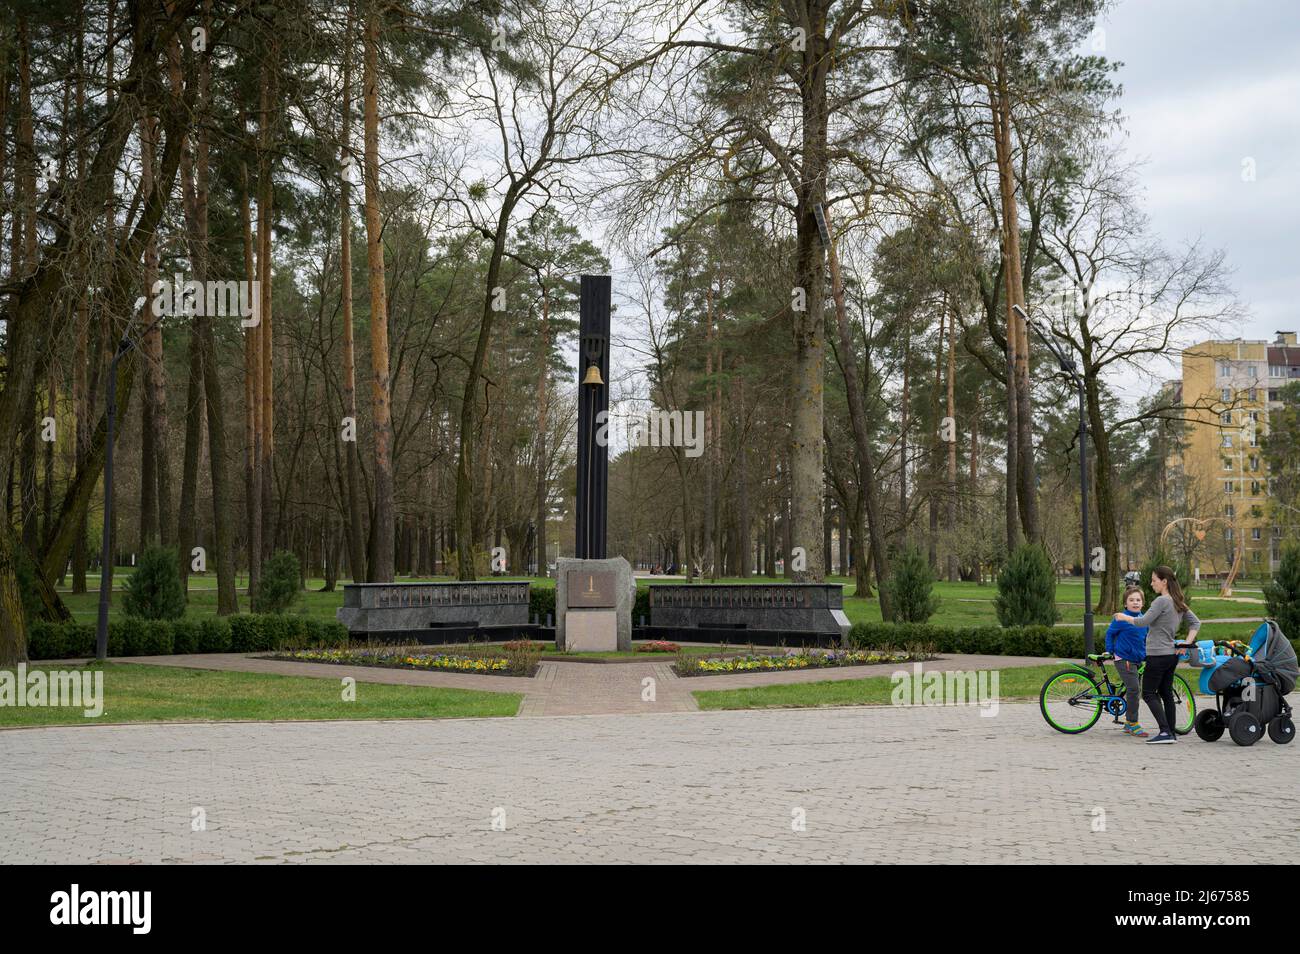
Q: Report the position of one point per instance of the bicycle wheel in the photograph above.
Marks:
(1070, 701)
(1184, 705)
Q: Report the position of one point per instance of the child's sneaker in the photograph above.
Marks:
(1163, 738)
(1135, 729)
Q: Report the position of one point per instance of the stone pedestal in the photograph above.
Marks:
(593, 605)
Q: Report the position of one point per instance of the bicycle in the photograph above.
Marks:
(1073, 699)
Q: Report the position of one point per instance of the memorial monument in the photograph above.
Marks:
(593, 592)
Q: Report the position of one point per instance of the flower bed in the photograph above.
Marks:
(805, 659)
(658, 646)
(508, 664)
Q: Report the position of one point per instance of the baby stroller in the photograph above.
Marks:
(1250, 684)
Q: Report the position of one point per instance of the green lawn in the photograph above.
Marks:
(134, 693)
(962, 604)
(1014, 684)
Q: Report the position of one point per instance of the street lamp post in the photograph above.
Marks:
(124, 348)
(1068, 366)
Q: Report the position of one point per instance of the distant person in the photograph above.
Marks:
(1168, 610)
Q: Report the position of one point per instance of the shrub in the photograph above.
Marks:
(522, 657)
(281, 583)
(215, 635)
(1027, 589)
(911, 587)
(641, 605)
(658, 646)
(687, 664)
(132, 636)
(157, 639)
(1282, 593)
(541, 603)
(973, 640)
(126, 637)
(154, 589)
(185, 636)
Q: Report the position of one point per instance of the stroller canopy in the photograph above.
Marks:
(1274, 656)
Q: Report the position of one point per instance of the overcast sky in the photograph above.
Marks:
(1209, 84)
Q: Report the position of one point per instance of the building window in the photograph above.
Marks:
(1227, 395)
(1229, 511)
(1227, 486)
(1227, 463)
(1252, 372)
(1224, 368)
(1227, 534)
(1225, 417)
(1272, 394)
(1254, 488)
(1276, 371)
(1255, 533)
(1254, 463)
(1255, 555)
(1227, 440)
(1254, 394)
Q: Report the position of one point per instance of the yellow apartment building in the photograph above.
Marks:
(1221, 464)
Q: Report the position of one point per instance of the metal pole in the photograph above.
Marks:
(106, 566)
(1087, 543)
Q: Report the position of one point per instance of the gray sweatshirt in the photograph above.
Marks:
(1162, 620)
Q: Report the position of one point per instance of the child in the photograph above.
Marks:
(1128, 643)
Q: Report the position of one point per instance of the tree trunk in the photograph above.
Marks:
(252, 402)
(950, 521)
(356, 535)
(543, 397)
(1026, 478)
(265, 220)
(383, 529)
(861, 439)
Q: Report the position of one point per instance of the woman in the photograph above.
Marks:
(1168, 610)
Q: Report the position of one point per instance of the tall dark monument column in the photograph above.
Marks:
(593, 411)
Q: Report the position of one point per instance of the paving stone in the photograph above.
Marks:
(939, 784)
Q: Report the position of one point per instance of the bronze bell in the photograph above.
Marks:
(593, 375)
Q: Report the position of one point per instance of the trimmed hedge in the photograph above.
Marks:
(129, 636)
(985, 640)
(541, 603)
(975, 640)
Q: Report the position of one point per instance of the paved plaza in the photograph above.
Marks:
(851, 784)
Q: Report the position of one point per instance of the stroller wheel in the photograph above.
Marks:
(1209, 726)
(1281, 730)
(1244, 728)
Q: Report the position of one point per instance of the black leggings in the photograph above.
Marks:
(1158, 689)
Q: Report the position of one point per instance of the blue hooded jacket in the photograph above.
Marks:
(1126, 640)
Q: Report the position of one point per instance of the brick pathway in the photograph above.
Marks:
(571, 688)
(926, 785)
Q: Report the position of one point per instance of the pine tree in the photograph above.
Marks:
(154, 590)
(1282, 593)
(1027, 589)
(911, 585)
